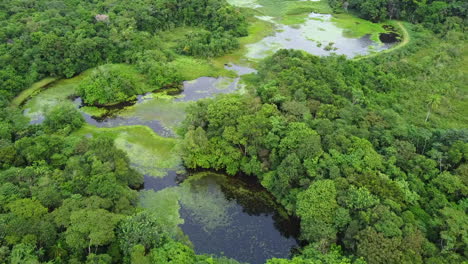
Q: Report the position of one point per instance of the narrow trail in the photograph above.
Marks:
(406, 39)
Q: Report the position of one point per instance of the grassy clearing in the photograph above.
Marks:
(193, 68)
(292, 12)
(281, 8)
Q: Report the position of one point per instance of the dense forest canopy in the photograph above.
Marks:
(63, 38)
(439, 16)
(370, 154)
(353, 148)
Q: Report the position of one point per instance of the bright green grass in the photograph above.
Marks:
(356, 27)
(148, 152)
(94, 111)
(404, 35)
(189, 67)
(31, 91)
(193, 68)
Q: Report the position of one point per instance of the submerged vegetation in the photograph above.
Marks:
(369, 154)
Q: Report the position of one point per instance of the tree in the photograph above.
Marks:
(173, 252)
(91, 228)
(141, 229)
(63, 117)
(317, 207)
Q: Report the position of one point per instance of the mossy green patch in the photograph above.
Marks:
(165, 110)
(93, 111)
(244, 3)
(57, 93)
(193, 68)
(283, 9)
(165, 205)
(356, 27)
(204, 201)
(149, 153)
(31, 91)
(405, 38)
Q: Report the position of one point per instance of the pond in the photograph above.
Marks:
(229, 216)
(220, 215)
(318, 35)
(159, 111)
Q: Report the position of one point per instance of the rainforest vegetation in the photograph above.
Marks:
(371, 154)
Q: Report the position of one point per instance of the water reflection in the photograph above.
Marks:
(231, 217)
(318, 36)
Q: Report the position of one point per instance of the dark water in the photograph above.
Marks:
(143, 112)
(391, 36)
(240, 70)
(231, 217)
(171, 179)
(205, 87)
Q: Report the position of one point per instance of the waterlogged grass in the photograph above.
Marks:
(94, 111)
(31, 91)
(169, 113)
(149, 153)
(189, 67)
(205, 202)
(244, 3)
(292, 12)
(57, 93)
(355, 27)
(192, 68)
(258, 29)
(404, 35)
(62, 90)
(165, 206)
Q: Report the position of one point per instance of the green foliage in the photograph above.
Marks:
(370, 154)
(317, 208)
(91, 228)
(63, 117)
(72, 36)
(141, 229)
(61, 197)
(436, 15)
(352, 148)
(109, 85)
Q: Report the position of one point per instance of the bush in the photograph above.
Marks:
(63, 117)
